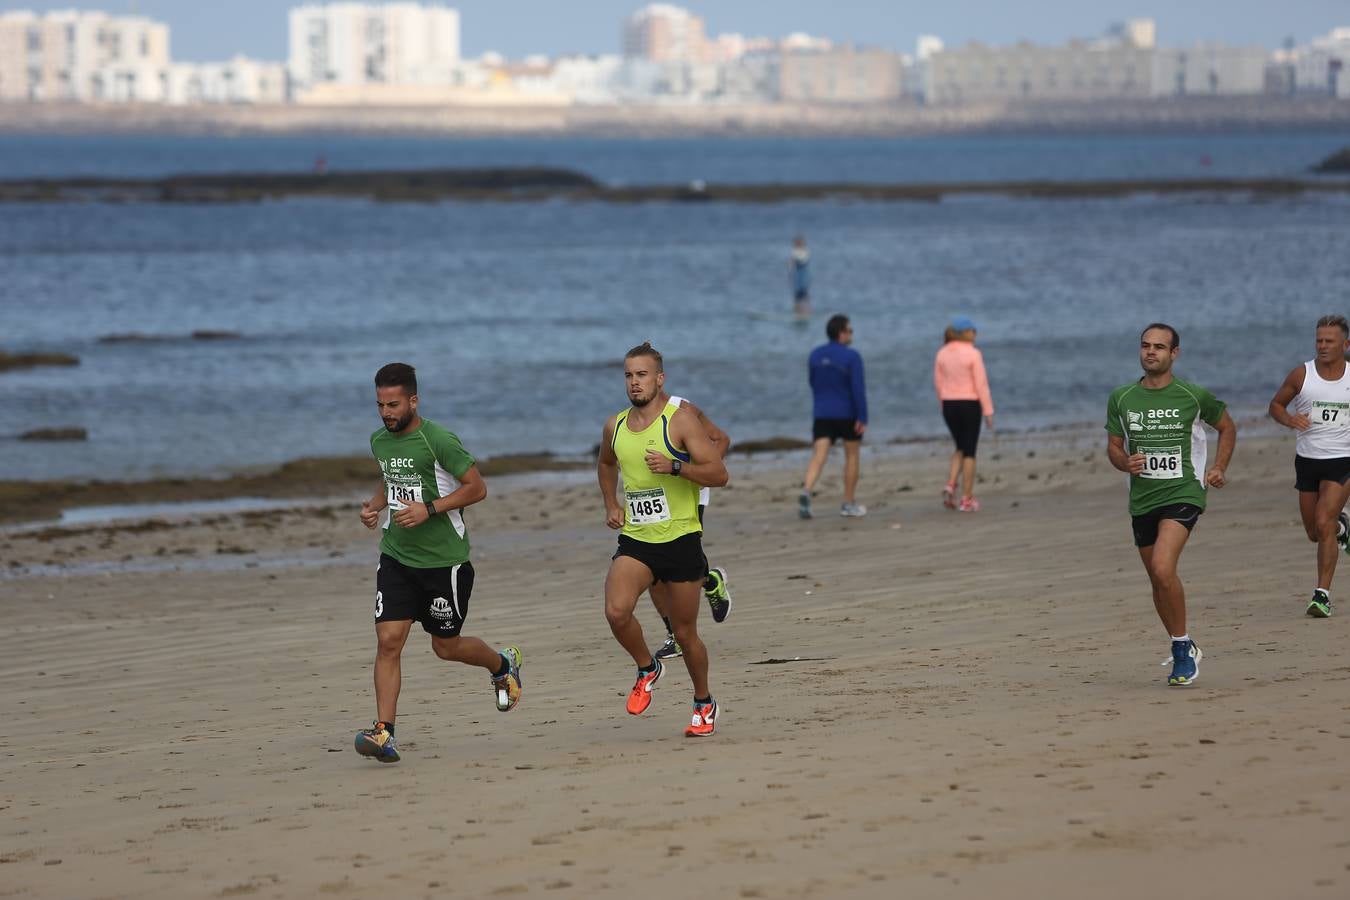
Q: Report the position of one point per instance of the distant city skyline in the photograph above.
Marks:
(517, 28)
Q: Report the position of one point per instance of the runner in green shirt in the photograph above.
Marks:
(1155, 433)
(424, 573)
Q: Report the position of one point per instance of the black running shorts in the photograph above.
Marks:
(1146, 525)
(679, 560)
(834, 429)
(438, 598)
(1309, 473)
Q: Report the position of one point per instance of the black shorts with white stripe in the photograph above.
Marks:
(438, 598)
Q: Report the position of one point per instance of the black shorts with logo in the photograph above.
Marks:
(1309, 473)
(679, 560)
(1146, 525)
(834, 429)
(438, 598)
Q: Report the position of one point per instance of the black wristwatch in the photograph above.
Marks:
(675, 467)
(431, 509)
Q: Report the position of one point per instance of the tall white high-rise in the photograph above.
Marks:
(359, 43)
(661, 32)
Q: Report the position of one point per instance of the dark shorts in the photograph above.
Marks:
(834, 429)
(679, 560)
(438, 598)
(963, 421)
(1146, 525)
(1309, 473)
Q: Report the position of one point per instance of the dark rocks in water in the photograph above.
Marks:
(10, 361)
(770, 445)
(132, 338)
(1337, 163)
(55, 434)
(203, 334)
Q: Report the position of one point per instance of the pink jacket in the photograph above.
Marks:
(958, 374)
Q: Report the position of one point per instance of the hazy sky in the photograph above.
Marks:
(210, 31)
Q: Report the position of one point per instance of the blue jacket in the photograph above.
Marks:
(836, 373)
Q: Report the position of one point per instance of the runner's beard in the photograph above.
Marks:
(643, 401)
(399, 424)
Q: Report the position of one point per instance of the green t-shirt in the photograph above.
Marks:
(1165, 424)
(419, 466)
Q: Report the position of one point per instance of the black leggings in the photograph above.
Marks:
(963, 421)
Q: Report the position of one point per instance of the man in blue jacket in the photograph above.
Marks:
(840, 409)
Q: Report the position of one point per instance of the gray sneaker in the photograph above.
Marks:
(804, 505)
(853, 510)
(669, 650)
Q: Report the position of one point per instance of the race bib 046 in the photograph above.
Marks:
(1161, 462)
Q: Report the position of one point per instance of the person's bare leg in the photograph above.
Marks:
(685, 600)
(626, 581)
(469, 650)
(954, 469)
(967, 477)
(1169, 596)
(390, 638)
(1331, 499)
(852, 454)
(820, 451)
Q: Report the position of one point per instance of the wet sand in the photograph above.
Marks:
(918, 703)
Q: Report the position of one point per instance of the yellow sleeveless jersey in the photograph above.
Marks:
(657, 508)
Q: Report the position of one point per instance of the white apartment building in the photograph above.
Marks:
(1209, 70)
(70, 55)
(1118, 66)
(840, 75)
(352, 44)
(664, 33)
(240, 80)
(1323, 65)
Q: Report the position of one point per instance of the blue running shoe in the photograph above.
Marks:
(804, 505)
(1185, 663)
(377, 743)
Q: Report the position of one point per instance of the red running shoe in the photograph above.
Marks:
(705, 720)
(640, 697)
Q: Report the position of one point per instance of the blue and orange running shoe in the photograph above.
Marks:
(508, 686)
(377, 743)
(705, 720)
(640, 697)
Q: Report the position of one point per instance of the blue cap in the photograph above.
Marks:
(963, 323)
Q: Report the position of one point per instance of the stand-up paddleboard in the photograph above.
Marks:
(762, 316)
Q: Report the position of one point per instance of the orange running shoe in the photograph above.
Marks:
(705, 720)
(640, 697)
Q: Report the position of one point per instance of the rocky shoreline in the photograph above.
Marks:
(537, 184)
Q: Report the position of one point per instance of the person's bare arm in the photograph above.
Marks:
(607, 472)
(1279, 404)
(705, 466)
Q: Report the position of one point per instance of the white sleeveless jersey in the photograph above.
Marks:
(704, 493)
(1327, 406)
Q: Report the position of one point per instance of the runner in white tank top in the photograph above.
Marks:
(715, 587)
(1314, 400)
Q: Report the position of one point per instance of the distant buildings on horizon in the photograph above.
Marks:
(409, 53)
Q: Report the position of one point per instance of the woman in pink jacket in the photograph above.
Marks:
(963, 389)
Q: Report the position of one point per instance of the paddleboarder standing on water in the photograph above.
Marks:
(799, 274)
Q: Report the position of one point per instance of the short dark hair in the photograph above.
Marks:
(1176, 336)
(646, 349)
(835, 327)
(397, 375)
(1334, 321)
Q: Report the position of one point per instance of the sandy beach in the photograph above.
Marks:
(917, 703)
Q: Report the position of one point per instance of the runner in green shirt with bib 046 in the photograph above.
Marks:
(1156, 434)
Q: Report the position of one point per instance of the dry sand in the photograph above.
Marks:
(973, 705)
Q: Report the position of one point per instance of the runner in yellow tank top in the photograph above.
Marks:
(664, 456)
